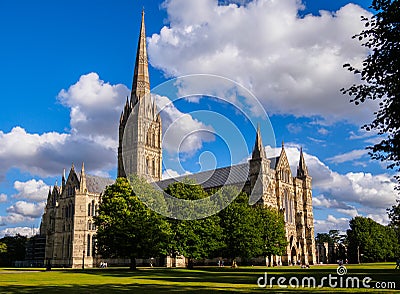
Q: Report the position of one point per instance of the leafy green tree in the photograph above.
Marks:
(128, 228)
(197, 238)
(380, 75)
(240, 226)
(324, 238)
(251, 231)
(371, 241)
(3, 247)
(271, 231)
(15, 246)
(394, 216)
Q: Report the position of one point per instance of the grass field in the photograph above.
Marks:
(199, 280)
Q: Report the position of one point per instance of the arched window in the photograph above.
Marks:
(154, 139)
(93, 246)
(88, 245)
(89, 226)
(89, 209)
(92, 207)
(154, 167)
(96, 210)
(68, 251)
(286, 206)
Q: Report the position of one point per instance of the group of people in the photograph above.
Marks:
(103, 264)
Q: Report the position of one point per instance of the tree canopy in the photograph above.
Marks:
(127, 228)
(380, 78)
(371, 241)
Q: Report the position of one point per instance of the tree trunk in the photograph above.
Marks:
(133, 264)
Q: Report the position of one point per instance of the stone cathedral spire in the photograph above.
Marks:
(302, 170)
(140, 126)
(141, 81)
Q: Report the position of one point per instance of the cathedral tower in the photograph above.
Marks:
(140, 127)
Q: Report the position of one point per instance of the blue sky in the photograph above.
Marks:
(61, 61)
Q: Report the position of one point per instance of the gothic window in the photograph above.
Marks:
(147, 165)
(96, 210)
(154, 139)
(89, 208)
(93, 246)
(68, 247)
(89, 226)
(89, 245)
(92, 207)
(154, 167)
(286, 207)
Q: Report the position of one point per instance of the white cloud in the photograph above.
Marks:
(331, 223)
(31, 190)
(3, 198)
(371, 191)
(26, 209)
(182, 132)
(14, 218)
(293, 64)
(95, 108)
(322, 201)
(170, 173)
(349, 156)
(23, 231)
(323, 131)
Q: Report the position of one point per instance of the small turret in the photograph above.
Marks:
(82, 180)
(302, 170)
(63, 180)
(258, 150)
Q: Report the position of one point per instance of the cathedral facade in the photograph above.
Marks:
(67, 221)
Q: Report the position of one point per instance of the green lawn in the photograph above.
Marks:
(199, 280)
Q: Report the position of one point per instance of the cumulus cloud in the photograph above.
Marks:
(331, 223)
(27, 209)
(170, 173)
(293, 64)
(182, 132)
(95, 108)
(32, 190)
(23, 231)
(3, 197)
(14, 218)
(370, 192)
(348, 156)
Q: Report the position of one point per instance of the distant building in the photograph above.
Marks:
(68, 218)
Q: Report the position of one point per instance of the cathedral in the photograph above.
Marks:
(67, 222)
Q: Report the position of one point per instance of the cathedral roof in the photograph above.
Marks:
(274, 161)
(97, 184)
(231, 175)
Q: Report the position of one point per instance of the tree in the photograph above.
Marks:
(394, 216)
(324, 238)
(380, 75)
(240, 229)
(128, 228)
(271, 231)
(15, 249)
(197, 238)
(3, 247)
(371, 240)
(251, 231)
